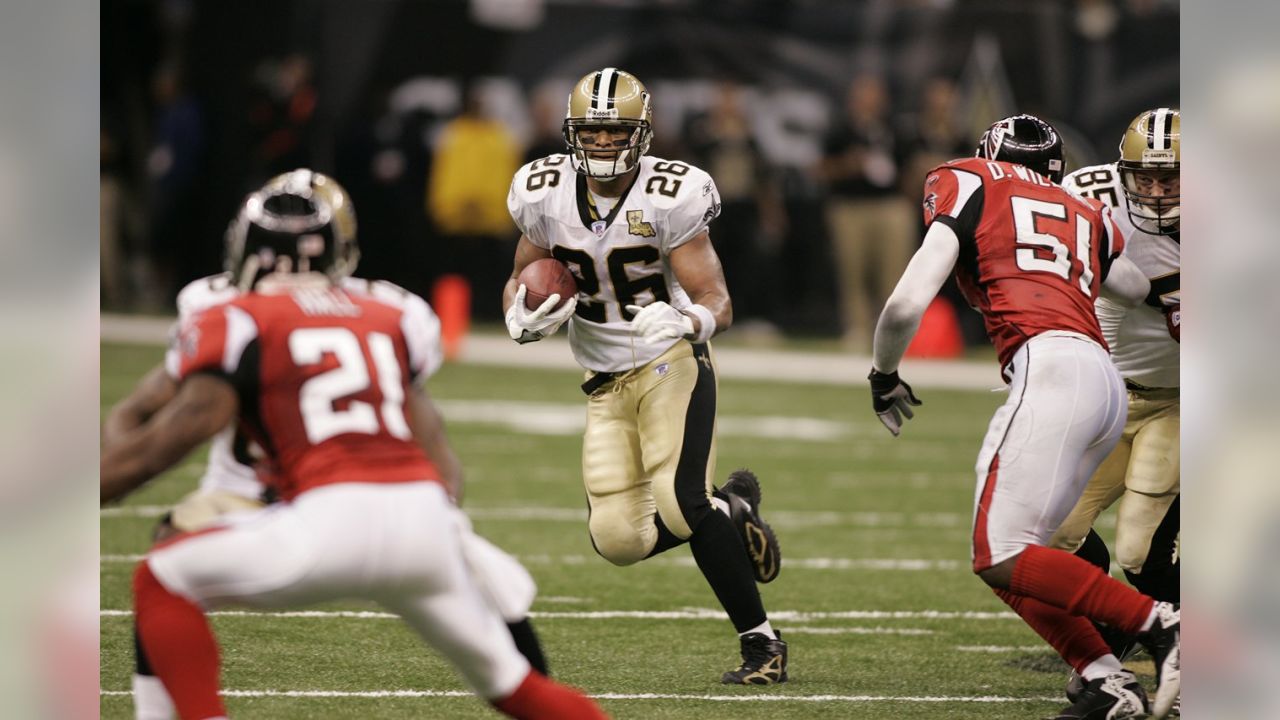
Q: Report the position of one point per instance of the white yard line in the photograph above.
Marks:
(887, 564)
(779, 366)
(1003, 648)
(685, 614)
(624, 696)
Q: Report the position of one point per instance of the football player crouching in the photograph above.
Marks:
(230, 487)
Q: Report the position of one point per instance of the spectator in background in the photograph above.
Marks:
(932, 138)
(281, 115)
(547, 113)
(175, 175)
(751, 220)
(869, 220)
(467, 200)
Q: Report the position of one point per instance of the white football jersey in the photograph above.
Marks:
(231, 471)
(619, 258)
(1139, 338)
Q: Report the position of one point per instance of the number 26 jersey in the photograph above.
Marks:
(618, 257)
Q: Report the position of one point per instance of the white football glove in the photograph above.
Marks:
(524, 325)
(658, 322)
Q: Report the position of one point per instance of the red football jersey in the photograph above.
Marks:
(323, 375)
(1032, 255)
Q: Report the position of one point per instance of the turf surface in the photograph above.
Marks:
(866, 522)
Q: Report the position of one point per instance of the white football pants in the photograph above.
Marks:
(1065, 412)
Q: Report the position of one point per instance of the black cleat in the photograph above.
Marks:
(764, 662)
(742, 492)
(1118, 696)
(1163, 642)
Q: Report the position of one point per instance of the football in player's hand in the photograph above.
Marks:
(544, 278)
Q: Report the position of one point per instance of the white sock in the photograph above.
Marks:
(150, 699)
(764, 628)
(1106, 665)
(1151, 619)
(720, 505)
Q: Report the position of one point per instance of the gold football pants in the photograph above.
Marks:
(649, 449)
(1143, 472)
(200, 509)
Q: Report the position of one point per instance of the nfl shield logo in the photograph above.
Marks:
(662, 369)
(598, 227)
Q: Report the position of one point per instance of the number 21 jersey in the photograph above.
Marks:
(619, 258)
(323, 375)
(1032, 255)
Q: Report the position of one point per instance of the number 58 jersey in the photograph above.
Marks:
(618, 257)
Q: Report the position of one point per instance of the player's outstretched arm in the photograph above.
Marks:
(917, 287)
(152, 392)
(428, 431)
(1125, 282)
(203, 405)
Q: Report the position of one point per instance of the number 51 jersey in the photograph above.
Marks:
(619, 258)
(1032, 254)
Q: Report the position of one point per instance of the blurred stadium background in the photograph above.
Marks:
(424, 109)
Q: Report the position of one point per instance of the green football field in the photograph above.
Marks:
(883, 617)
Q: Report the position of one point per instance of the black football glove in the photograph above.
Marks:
(889, 396)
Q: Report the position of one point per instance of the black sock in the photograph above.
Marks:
(528, 645)
(1094, 550)
(666, 538)
(143, 666)
(723, 561)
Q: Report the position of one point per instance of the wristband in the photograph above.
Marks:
(706, 323)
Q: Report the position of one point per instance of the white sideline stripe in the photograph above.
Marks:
(687, 614)
(1003, 648)
(777, 366)
(540, 418)
(622, 696)
(905, 564)
(779, 518)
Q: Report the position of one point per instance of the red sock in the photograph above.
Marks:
(1079, 587)
(1074, 637)
(179, 645)
(538, 698)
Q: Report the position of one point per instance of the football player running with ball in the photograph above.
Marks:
(1143, 472)
(651, 294)
(325, 381)
(1032, 258)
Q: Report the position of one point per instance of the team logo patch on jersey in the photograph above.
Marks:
(706, 189)
(711, 212)
(637, 226)
(598, 227)
(931, 205)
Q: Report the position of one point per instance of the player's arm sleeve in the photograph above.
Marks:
(213, 342)
(421, 328)
(953, 197)
(1125, 283)
(525, 212)
(1110, 316)
(698, 204)
(924, 276)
